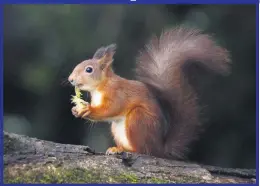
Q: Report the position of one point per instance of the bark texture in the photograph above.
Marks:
(30, 160)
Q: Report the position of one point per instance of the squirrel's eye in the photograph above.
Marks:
(89, 70)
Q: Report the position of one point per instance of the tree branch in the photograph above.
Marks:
(30, 160)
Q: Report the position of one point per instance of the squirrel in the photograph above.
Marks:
(157, 113)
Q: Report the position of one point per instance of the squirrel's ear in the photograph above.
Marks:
(105, 55)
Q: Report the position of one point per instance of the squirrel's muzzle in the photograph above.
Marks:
(72, 81)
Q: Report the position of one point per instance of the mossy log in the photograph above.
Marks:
(30, 160)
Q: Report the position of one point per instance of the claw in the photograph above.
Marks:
(113, 150)
(82, 110)
(75, 112)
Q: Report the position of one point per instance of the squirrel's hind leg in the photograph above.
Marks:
(143, 132)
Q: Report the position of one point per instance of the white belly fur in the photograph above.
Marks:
(119, 131)
(118, 124)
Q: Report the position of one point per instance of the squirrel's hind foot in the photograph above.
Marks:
(114, 150)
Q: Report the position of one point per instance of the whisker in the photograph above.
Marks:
(65, 82)
(91, 125)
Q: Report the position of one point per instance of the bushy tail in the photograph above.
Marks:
(161, 66)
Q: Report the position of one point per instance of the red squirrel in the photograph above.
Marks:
(157, 114)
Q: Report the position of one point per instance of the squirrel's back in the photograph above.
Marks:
(162, 67)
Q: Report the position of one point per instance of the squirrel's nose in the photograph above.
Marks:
(72, 81)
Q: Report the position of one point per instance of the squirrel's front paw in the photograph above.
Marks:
(74, 111)
(81, 111)
(114, 150)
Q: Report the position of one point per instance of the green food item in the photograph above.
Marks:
(77, 98)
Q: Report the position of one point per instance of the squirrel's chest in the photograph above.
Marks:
(120, 134)
(96, 98)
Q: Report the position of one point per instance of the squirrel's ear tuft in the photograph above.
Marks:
(111, 48)
(108, 50)
(99, 53)
(105, 55)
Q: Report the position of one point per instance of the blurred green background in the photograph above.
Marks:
(43, 43)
